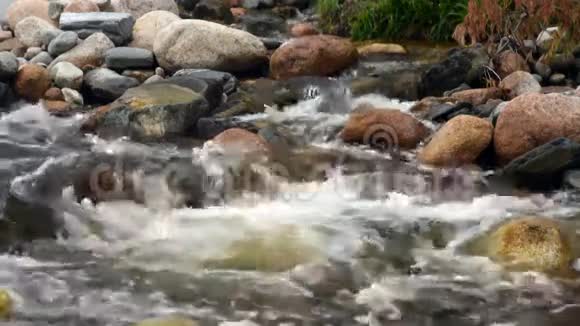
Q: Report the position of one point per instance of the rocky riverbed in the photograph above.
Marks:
(205, 162)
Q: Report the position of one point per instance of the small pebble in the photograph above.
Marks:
(160, 72)
(557, 79)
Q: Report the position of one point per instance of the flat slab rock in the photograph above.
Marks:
(129, 58)
(117, 26)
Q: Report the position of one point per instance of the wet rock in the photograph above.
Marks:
(383, 128)
(31, 82)
(153, 111)
(65, 74)
(191, 44)
(138, 8)
(324, 279)
(22, 9)
(147, 26)
(59, 108)
(543, 167)
(32, 52)
(460, 141)
(212, 91)
(6, 305)
(228, 81)
(519, 83)
(108, 85)
(441, 109)
(381, 49)
(53, 94)
(557, 79)
(122, 58)
(532, 120)
(35, 32)
(208, 128)
(461, 66)
(140, 75)
(303, 29)
(263, 24)
(479, 96)
(81, 6)
(402, 84)
(214, 10)
(271, 43)
(168, 321)
(531, 243)
(317, 55)
(242, 142)
(509, 62)
(91, 52)
(543, 69)
(117, 26)
(63, 43)
(562, 63)
(42, 58)
(487, 109)
(8, 66)
(73, 97)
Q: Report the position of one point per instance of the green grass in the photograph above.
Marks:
(393, 19)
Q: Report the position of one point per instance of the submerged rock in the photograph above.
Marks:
(155, 111)
(192, 44)
(529, 243)
(244, 143)
(460, 141)
(117, 26)
(387, 129)
(316, 55)
(532, 120)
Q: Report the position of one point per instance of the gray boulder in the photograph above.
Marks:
(42, 58)
(62, 43)
(8, 66)
(67, 75)
(153, 111)
(129, 58)
(117, 26)
(108, 85)
(34, 31)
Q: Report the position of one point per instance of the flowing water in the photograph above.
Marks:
(323, 252)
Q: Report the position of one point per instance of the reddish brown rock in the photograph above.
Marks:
(376, 49)
(532, 120)
(238, 12)
(21, 9)
(90, 125)
(315, 55)
(32, 81)
(241, 141)
(384, 128)
(53, 94)
(460, 141)
(56, 107)
(509, 62)
(81, 6)
(303, 29)
(479, 96)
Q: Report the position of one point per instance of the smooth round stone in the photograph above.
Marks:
(8, 65)
(129, 58)
(66, 75)
(62, 43)
(73, 97)
(42, 58)
(557, 79)
(32, 52)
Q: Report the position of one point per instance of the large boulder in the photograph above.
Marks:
(91, 52)
(8, 66)
(108, 85)
(147, 26)
(21, 9)
(33, 31)
(117, 26)
(66, 75)
(460, 141)
(192, 44)
(153, 111)
(138, 8)
(315, 55)
(129, 58)
(32, 81)
(387, 129)
(532, 120)
(461, 66)
(509, 62)
(530, 243)
(519, 83)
